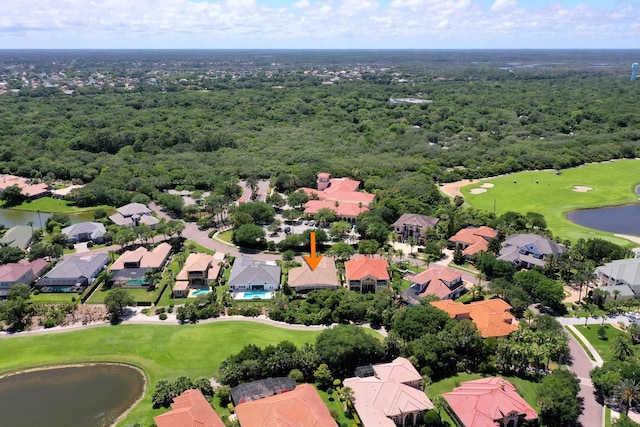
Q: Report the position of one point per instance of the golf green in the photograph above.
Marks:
(556, 194)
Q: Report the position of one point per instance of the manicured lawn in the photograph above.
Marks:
(602, 346)
(141, 294)
(612, 183)
(226, 236)
(55, 298)
(50, 204)
(162, 351)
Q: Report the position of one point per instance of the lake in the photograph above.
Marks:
(75, 396)
(12, 217)
(616, 219)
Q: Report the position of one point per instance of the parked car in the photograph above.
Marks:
(287, 230)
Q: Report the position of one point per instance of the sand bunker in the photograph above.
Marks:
(478, 190)
(581, 188)
(487, 185)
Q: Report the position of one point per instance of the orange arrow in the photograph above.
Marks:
(312, 260)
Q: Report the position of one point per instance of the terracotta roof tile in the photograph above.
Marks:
(477, 238)
(481, 402)
(492, 317)
(190, 409)
(363, 266)
(301, 407)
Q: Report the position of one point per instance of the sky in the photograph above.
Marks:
(316, 24)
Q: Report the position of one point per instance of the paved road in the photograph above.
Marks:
(581, 365)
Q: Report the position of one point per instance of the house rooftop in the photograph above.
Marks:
(476, 239)
(190, 409)
(360, 267)
(491, 317)
(300, 407)
(416, 220)
(480, 403)
(324, 275)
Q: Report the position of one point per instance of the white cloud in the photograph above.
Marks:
(308, 23)
(500, 5)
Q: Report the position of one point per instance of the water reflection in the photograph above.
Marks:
(617, 219)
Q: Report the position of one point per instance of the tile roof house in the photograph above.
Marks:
(19, 237)
(443, 282)
(29, 189)
(249, 274)
(199, 271)
(414, 225)
(300, 407)
(190, 409)
(529, 250)
(473, 240)
(367, 274)
(491, 317)
(390, 395)
(325, 276)
(132, 266)
(134, 214)
(84, 232)
(622, 275)
(73, 273)
(14, 273)
(341, 195)
(489, 402)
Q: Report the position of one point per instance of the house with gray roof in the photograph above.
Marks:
(249, 274)
(529, 250)
(85, 232)
(19, 237)
(622, 275)
(73, 274)
(414, 225)
(134, 214)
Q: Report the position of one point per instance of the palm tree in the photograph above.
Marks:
(622, 347)
(627, 391)
(529, 315)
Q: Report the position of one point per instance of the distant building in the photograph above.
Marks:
(341, 195)
(85, 232)
(620, 278)
(29, 189)
(473, 240)
(134, 214)
(492, 317)
(634, 71)
(529, 250)
(414, 225)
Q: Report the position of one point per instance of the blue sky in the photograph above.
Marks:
(330, 24)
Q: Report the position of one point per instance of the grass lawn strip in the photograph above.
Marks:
(603, 347)
(612, 183)
(577, 338)
(162, 351)
(50, 204)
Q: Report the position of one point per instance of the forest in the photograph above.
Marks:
(191, 124)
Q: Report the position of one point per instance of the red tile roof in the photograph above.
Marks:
(401, 370)
(190, 409)
(344, 209)
(481, 402)
(301, 407)
(477, 238)
(492, 317)
(363, 266)
(435, 278)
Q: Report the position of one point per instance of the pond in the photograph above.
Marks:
(74, 396)
(12, 217)
(616, 219)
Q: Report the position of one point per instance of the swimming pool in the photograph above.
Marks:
(195, 292)
(253, 295)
